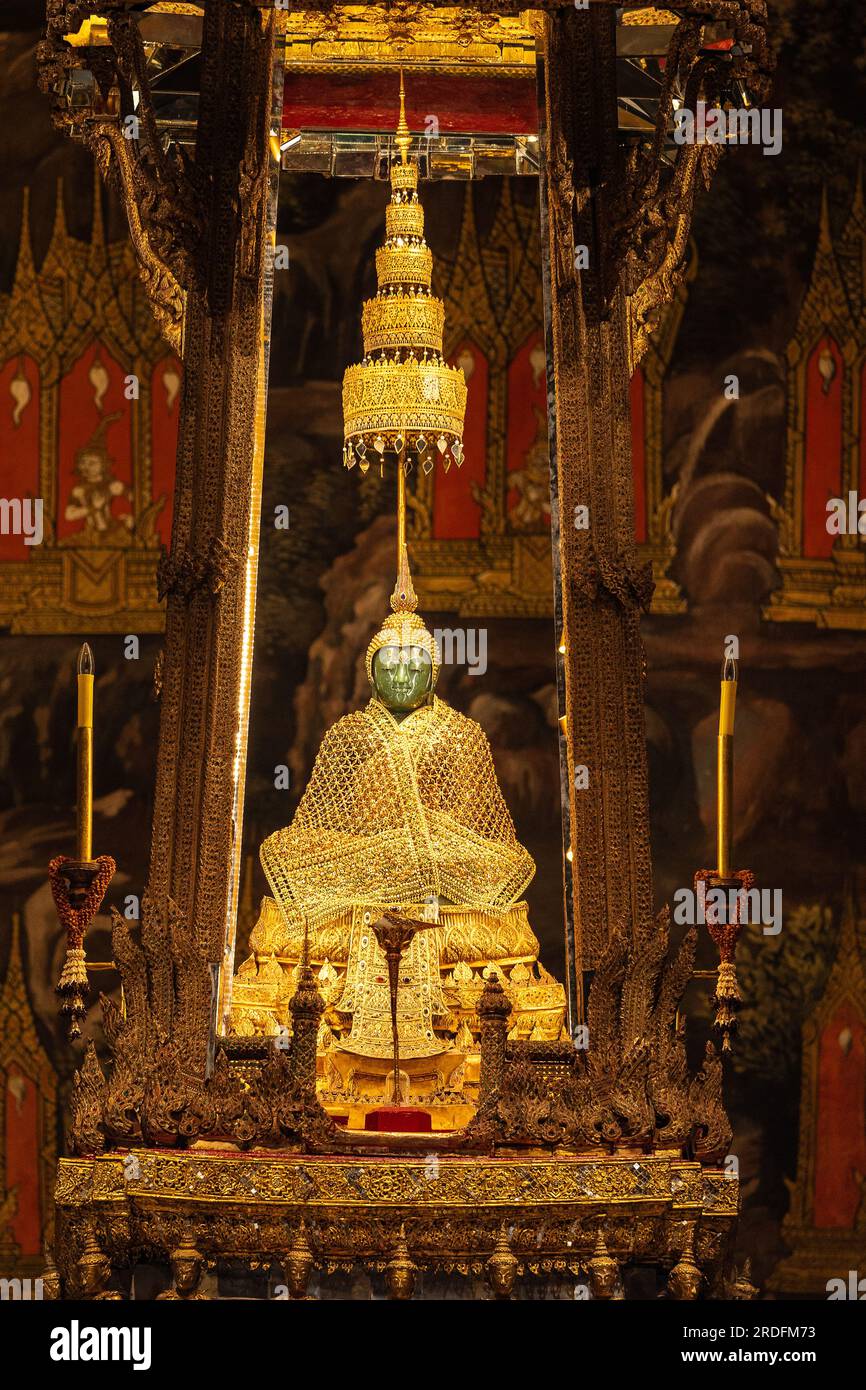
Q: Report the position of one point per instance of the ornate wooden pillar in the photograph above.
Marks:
(602, 589)
(208, 581)
(200, 229)
(616, 220)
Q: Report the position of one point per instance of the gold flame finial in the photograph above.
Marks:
(85, 660)
(402, 139)
(403, 402)
(404, 599)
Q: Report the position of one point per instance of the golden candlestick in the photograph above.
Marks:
(394, 935)
(84, 787)
(725, 767)
(78, 885)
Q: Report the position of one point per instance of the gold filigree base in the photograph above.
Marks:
(642, 1208)
(350, 1086)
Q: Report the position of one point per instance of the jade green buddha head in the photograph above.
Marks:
(402, 677)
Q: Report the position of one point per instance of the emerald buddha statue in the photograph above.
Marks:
(403, 810)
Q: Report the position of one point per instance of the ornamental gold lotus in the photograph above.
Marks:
(403, 402)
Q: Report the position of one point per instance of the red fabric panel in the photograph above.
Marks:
(19, 445)
(22, 1159)
(396, 1119)
(638, 453)
(165, 394)
(364, 101)
(456, 514)
(527, 394)
(840, 1129)
(82, 407)
(823, 451)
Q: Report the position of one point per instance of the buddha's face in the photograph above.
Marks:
(402, 677)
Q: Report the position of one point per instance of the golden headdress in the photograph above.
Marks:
(404, 627)
(403, 402)
(97, 443)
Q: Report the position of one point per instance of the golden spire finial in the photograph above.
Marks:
(404, 599)
(402, 139)
(403, 402)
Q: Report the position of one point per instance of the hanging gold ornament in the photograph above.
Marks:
(394, 400)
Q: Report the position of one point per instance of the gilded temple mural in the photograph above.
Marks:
(89, 426)
(822, 571)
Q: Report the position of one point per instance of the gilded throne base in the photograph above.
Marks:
(583, 1219)
(354, 1067)
(574, 1166)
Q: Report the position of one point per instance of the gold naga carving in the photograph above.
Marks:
(160, 192)
(650, 213)
(653, 294)
(631, 1088)
(166, 297)
(635, 1071)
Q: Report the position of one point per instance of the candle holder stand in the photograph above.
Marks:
(394, 935)
(725, 934)
(78, 887)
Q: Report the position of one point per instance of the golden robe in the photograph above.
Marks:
(397, 813)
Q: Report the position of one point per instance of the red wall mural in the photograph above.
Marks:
(841, 1126)
(822, 473)
(526, 454)
(19, 443)
(95, 456)
(23, 1159)
(77, 338)
(456, 514)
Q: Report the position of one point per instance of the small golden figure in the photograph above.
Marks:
(92, 498)
(187, 1267)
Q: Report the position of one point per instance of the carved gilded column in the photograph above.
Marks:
(199, 228)
(601, 588)
(494, 1007)
(206, 579)
(615, 229)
